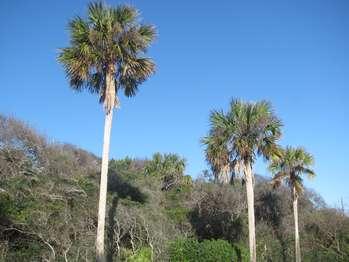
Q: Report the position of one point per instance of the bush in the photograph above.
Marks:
(142, 255)
(217, 250)
(188, 250)
(184, 250)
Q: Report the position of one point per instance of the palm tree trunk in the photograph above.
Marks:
(296, 233)
(223, 176)
(109, 103)
(250, 207)
(103, 188)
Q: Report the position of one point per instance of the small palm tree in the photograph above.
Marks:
(168, 167)
(246, 131)
(293, 163)
(106, 55)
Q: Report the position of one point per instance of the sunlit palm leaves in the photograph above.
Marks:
(168, 167)
(246, 131)
(217, 154)
(293, 163)
(109, 36)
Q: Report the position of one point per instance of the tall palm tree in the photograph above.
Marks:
(293, 163)
(106, 54)
(247, 130)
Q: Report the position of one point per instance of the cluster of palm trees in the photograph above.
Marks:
(237, 138)
(107, 54)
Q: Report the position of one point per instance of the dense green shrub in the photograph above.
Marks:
(184, 250)
(217, 250)
(190, 250)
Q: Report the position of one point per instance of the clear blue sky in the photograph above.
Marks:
(293, 53)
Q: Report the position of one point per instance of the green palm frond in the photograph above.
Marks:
(219, 120)
(246, 131)
(79, 31)
(134, 72)
(125, 15)
(293, 163)
(147, 33)
(256, 129)
(216, 151)
(109, 35)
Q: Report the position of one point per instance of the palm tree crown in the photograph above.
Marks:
(110, 40)
(293, 163)
(248, 130)
(216, 153)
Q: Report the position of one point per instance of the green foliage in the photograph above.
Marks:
(190, 250)
(162, 165)
(109, 41)
(174, 203)
(217, 155)
(290, 166)
(56, 207)
(120, 165)
(184, 250)
(87, 185)
(178, 214)
(144, 254)
(217, 250)
(169, 168)
(242, 252)
(25, 250)
(238, 136)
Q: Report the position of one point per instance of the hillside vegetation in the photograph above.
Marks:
(49, 196)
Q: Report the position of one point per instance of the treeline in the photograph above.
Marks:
(155, 212)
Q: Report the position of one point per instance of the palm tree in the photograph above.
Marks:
(293, 163)
(247, 130)
(217, 156)
(168, 167)
(106, 54)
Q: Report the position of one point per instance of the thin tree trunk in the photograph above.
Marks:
(103, 188)
(250, 206)
(296, 233)
(109, 103)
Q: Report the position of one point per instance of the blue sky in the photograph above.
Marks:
(293, 53)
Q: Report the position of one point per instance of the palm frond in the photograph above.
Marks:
(147, 33)
(309, 172)
(97, 14)
(133, 72)
(249, 130)
(277, 179)
(108, 38)
(125, 15)
(79, 31)
(294, 162)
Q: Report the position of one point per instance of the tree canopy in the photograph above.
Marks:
(110, 38)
